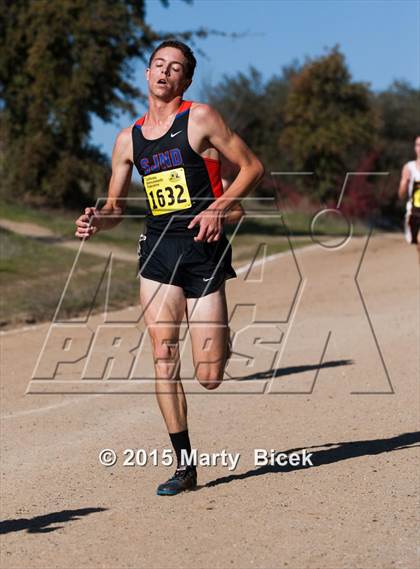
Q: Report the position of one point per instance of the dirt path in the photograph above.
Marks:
(337, 367)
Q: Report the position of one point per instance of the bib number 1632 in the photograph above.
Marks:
(167, 191)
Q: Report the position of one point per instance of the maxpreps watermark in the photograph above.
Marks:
(85, 355)
(230, 460)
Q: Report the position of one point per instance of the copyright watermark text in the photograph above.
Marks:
(230, 460)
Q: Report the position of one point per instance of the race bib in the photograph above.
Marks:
(416, 194)
(167, 191)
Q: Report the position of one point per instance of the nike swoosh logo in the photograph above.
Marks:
(175, 133)
(205, 280)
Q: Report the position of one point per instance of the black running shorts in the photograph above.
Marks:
(412, 228)
(198, 267)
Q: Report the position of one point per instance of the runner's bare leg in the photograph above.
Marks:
(209, 330)
(164, 307)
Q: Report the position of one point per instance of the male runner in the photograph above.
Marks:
(410, 186)
(184, 256)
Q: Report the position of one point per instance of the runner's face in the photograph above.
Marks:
(417, 147)
(166, 74)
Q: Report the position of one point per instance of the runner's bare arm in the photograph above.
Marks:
(405, 180)
(228, 173)
(234, 214)
(211, 126)
(234, 149)
(112, 213)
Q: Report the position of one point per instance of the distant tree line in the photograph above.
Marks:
(64, 62)
(313, 117)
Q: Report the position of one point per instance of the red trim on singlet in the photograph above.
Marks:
(185, 105)
(213, 170)
(140, 121)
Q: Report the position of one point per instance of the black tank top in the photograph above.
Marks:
(178, 182)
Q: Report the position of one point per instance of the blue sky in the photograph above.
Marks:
(379, 38)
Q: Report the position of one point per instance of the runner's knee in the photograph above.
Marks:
(209, 376)
(166, 357)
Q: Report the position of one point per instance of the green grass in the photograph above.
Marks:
(59, 221)
(62, 223)
(297, 223)
(34, 274)
(24, 258)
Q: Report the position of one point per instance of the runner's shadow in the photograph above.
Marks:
(335, 452)
(39, 524)
(281, 371)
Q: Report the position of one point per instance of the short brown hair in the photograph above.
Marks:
(186, 51)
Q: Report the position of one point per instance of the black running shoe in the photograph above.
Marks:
(183, 479)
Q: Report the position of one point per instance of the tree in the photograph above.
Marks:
(330, 122)
(255, 110)
(238, 99)
(399, 109)
(62, 62)
(313, 117)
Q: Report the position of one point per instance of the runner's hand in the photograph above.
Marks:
(85, 225)
(211, 225)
